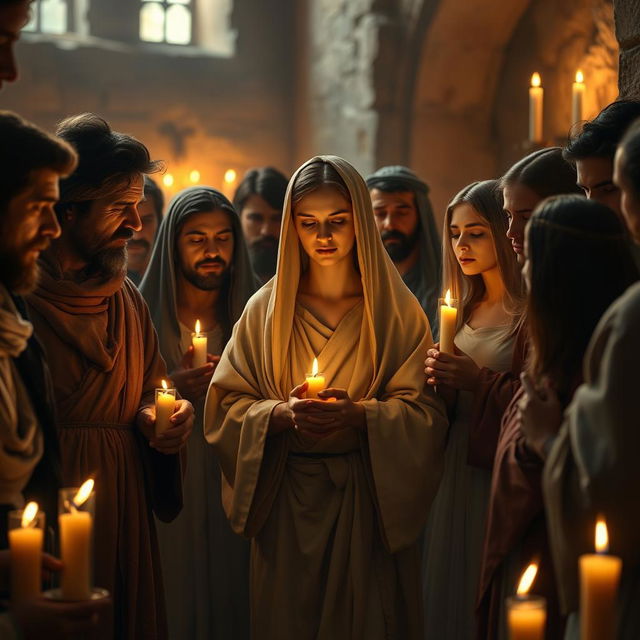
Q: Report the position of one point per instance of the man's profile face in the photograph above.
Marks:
(630, 200)
(595, 178)
(397, 220)
(13, 17)
(100, 234)
(141, 244)
(204, 248)
(261, 229)
(27, 227)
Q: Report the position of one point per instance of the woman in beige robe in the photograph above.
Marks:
(335, 520)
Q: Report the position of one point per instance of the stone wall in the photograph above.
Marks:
(627, 17)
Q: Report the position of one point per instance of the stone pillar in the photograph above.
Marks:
(627, 17)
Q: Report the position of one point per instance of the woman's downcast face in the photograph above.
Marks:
(324, 222)
(472, 241)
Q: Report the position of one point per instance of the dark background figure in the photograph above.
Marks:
(405, 220)
(14, 15)
(141, 245)
(258, 201)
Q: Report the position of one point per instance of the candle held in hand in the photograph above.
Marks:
(199, 342)
(25, 544)
(315, 381)
(599, 578)
(165, 407)
(526, 614)
(448, 322)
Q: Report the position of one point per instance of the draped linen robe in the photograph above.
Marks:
(593, 466)
(205, 564)
(334, 523)
(103, 354)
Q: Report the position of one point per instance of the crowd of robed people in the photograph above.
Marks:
(404, 500)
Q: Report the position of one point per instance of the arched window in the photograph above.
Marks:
(169, 21)
(49, 16)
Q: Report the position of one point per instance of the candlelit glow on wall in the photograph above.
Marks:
(527, 579)
(168, 180)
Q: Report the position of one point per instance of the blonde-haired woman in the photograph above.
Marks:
(481, 269)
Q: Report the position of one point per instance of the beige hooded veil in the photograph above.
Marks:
(335, 521)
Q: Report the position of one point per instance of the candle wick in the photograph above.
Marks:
(71, 506)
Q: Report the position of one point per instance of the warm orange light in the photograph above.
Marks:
(164, 384)
(536, 80)
(602, 536)
(197, 326)
(29, 514)
(579, 77)
(194, 176)
(167, 180)
(230, 176)
(447, 298)
(527, 579)
(83, 493)
(314, 368)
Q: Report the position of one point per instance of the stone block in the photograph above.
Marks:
(630, 73)
(627, 17)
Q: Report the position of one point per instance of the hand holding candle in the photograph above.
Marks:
(25, 542)
(315, 381)
(448, 322)
(165, 407)
(536, 93)
(76, 528)
(199, 342)
(599, 578)
(526, 614)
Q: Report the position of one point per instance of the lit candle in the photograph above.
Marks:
(526, 614)
(165, 406)
(577, 95)
(599, 577)
(76, 528)
(25, 544)
(315, 381)
(536, 93)
(230, 176)
(199, 342)
(448, 322)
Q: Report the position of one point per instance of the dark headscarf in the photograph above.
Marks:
(425, 278)
(159, 283)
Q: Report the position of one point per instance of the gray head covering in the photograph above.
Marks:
(425, 279)
(159, 283)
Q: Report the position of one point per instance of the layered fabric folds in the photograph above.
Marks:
(425, 278)
(334, 522)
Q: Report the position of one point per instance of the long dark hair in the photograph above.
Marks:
(314, 176)
(579, 263)
(486, 199)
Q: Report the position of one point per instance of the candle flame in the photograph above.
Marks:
(579, 76)
(527, 579)
(167, 180)
(447, 298)
(83, 493)
(536, 80)
(602, 536)
(314, 368)
(164, 385)
(194, 176)
(29, 514)
(197, 326)
(230, 176)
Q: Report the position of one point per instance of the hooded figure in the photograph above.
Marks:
(334, 521)
(206, 566)
(424, 279)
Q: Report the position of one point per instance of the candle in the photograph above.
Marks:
(577, 95)
(536, 93)
(526, 614)
(599, 577)
(199, 342)
(315, 381)
(25, 544)
(165, 406)
(448, 322)
(76, 528)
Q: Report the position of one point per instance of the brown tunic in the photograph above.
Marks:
(102, 351)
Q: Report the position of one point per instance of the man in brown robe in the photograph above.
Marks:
(105, 361)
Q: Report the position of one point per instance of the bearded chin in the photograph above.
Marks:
(18, 277)
(108, 263)
(208, 282)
